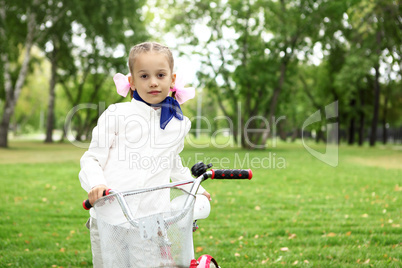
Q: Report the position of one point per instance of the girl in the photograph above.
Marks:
(137, 144)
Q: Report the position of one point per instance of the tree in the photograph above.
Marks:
(247, 56)
(105, 25)
(375, 29)
(20, 23)
(48, 24)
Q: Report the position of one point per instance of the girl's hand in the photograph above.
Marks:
(96, 193)
(207, 195)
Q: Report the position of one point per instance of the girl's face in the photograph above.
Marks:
(152, 77)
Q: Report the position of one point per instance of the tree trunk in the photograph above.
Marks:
(52, 97)
(374, 123)
(384, 132)
(274, 101)
(295, 134)
(13, 93)
(5, 125)
(361, 129)
(282, 131)
(352, 124)
(361, 117)
(384, 118)
(318, 135)
(352, 129)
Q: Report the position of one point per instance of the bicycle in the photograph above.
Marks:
(161, 236)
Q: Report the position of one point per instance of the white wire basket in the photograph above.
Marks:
(146, 228)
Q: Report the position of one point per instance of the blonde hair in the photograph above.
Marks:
(149, 47)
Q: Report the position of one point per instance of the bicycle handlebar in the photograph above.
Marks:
(225, 174)
(87, 205)
(213, 174)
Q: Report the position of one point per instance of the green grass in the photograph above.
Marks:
(300, 212)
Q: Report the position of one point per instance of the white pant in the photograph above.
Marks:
(95, 243)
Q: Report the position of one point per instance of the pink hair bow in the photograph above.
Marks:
(122, 84)
(183, 94)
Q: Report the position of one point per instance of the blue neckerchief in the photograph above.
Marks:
(170, 107)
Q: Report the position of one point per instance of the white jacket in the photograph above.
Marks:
(130, 151)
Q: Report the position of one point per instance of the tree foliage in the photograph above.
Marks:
(291, 58)
(67, 31)
(266, 66)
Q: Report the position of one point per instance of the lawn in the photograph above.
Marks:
(296, 211)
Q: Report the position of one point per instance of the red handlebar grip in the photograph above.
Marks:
(87, 206)
(231, 174)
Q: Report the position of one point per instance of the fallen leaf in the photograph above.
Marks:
(365, 215)
(237, 254)
(264, 261)
(291, 236)
(306, 261)
(241, 237)
(62, 250)
(348, 233)
(329, 235)
(367, 261)
(295, 262)
(199, 249)
(257, 208)
(284, 249)
(396, 225)
(256, 236)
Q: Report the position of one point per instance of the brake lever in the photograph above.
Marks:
(200, 168)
